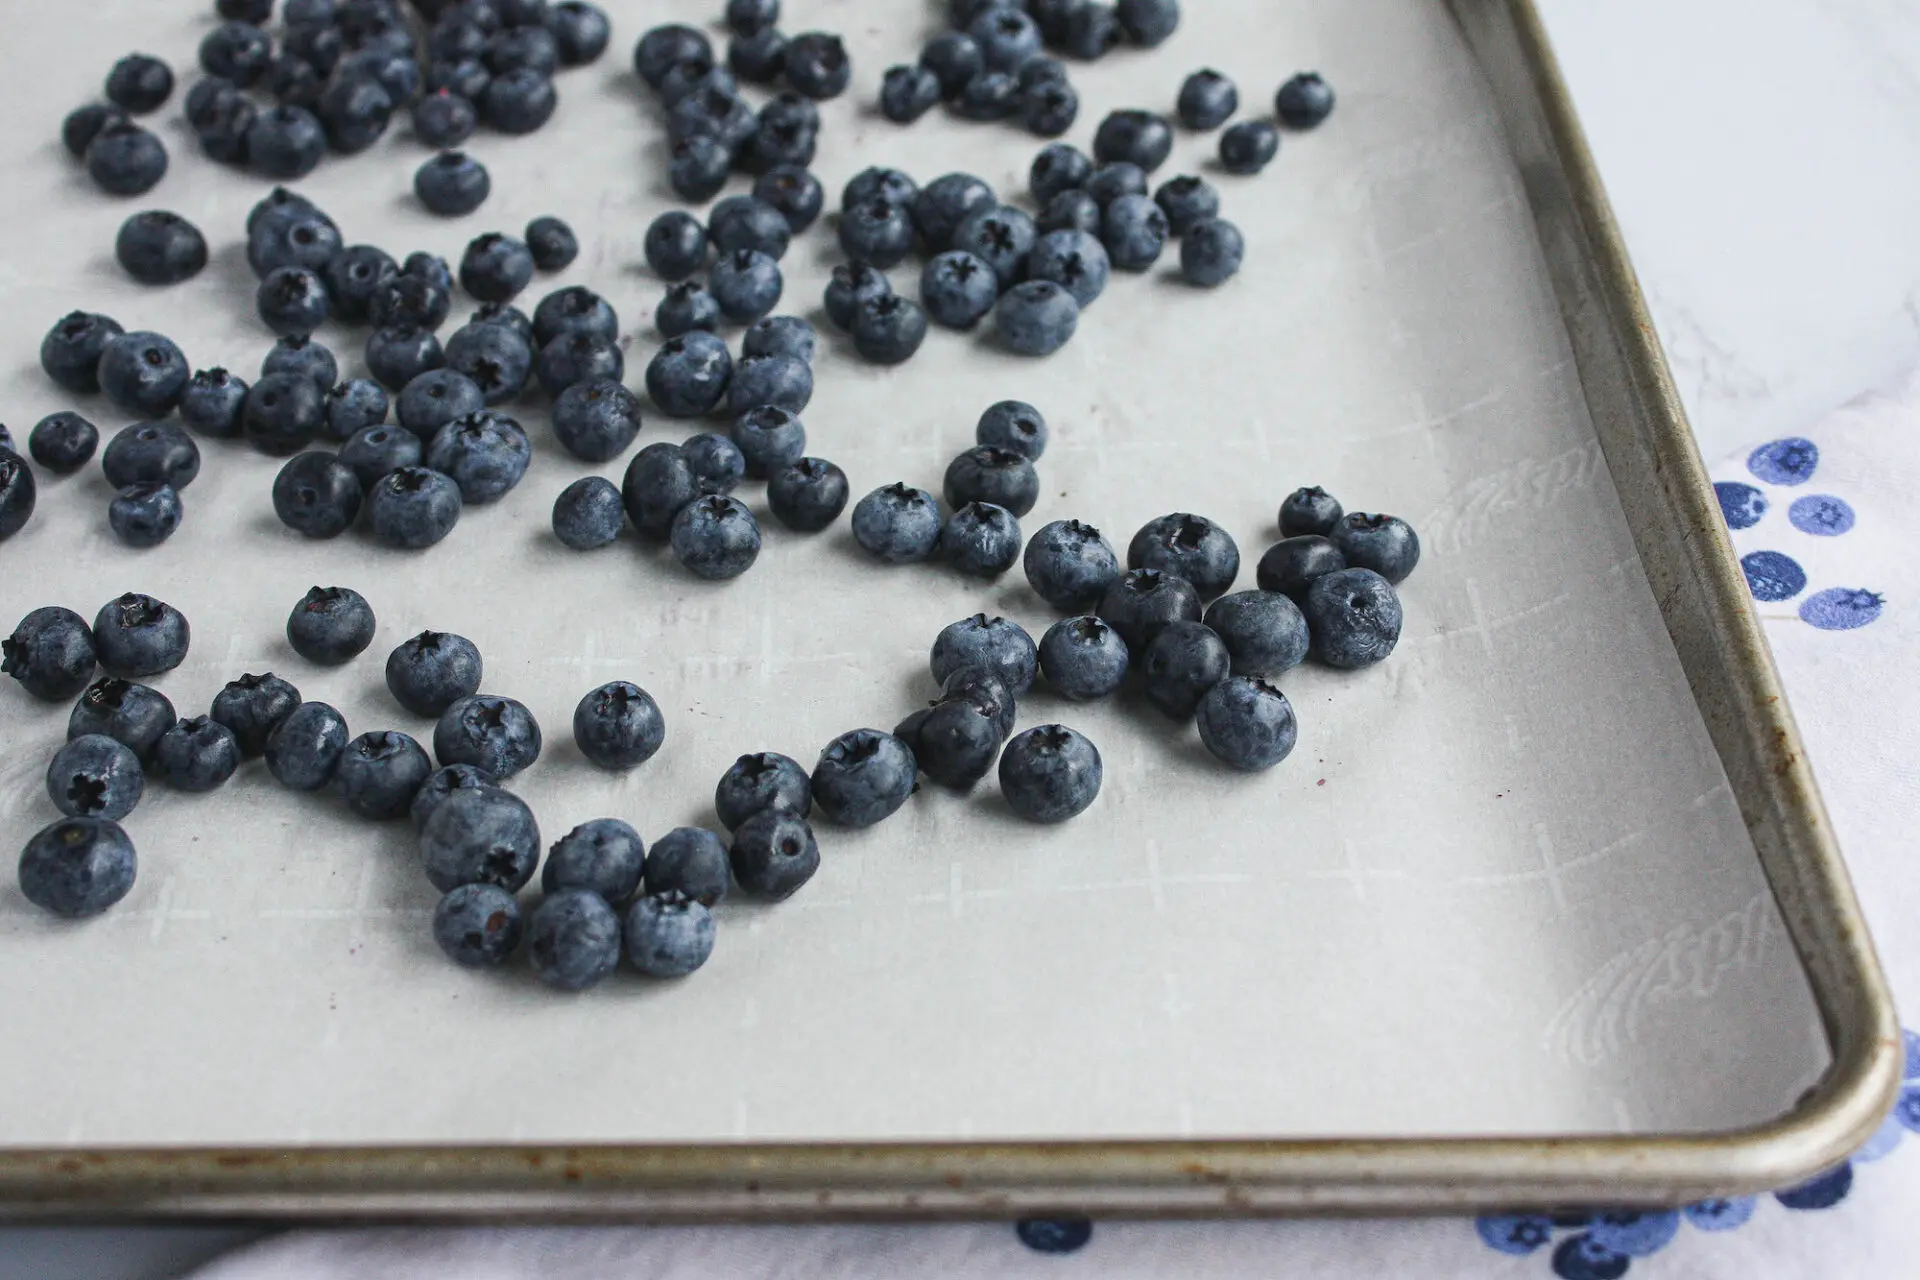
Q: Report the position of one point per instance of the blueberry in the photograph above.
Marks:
(143, 374)
(442, 783)
(304, 749)
(1291, 565)
(714, 110)
(898, 524)
(1148, 23)
(1090, 31)
(354, 110)
(981, 540)
(1636, 1235)
(514, 47)
(1249, 147)
(1036, 318)
(1207, 100)
(410, 298)
(958, 289)
(552, 244)
(282, 413)
(877, 232)
(380, 774)
(302, 355)
(464, 78)
(1211, 252)
(136, 635)
(77, 867)
(746, 283)
(676, 245)
(759, 58)
(319, 42)
(94, 776)
(485, 453)
(1054, 1235)
(150, 453)
(780, 382)
(398, 354)
(685, 307)
(504, 315)
(125, 160)
(493, 733)
(574, 358)
(580, 31)
(780, 336)
(236, 51)
(50, 653)
(1002, 238)
(659, 483)
(757, 782)
(292, 239)
(954, 743)
(197, 755)
(317, 495)
(1247, 724)
(697, 167)
(669, 935)
(660, 48)
(908, 92)
(159, 248)
(604, 856)
(495, 356)
(1059, 167)
(1385, 544)
(452, 184)
(252, 707)
(945, 203)
(573, 940)
(495, 267)
(1187, 201)
(991, 95)
(986, 473)
(435, 398)
(145, 514)
(1070, 565)
(1134, 230)
(1182, 663)
(1041, 70)
(770, 439)
(779, 144)
(794, 191)
(72, 349)
(1581, 1257)
(1083, 658)
(984, 688)
(139, 83)
(443, 119)
(213, 402)
(954, 58)
(889, 330)
(83, 124)
(717, 464)
(1354, 617)
(688, 376)
(331, 625)
(1076, 261)
(716, 537)
(132, 714)
(480, 835)
(861, 779)
(744, 17)
(293, 81)
(774, 852)
(519, 101)
(997, 644)
(817, 64)
(478, 925)
(853, 285)
(596, 421)
(293, 300)
(807, 495)
(690, 861)
(412, 508)
(432, 671)
(1111, 181)
(1142, 601)
(1050, 774)
(1049, 108)
(748, 222)
(1007, 37)
(1134, 137)
(1264, 632)
(1309, 510)
(696, 75)
(1187, 546)
(1304, 101)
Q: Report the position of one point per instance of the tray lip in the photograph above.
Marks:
(732, 1181)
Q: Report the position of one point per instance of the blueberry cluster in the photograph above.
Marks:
(1208, 99)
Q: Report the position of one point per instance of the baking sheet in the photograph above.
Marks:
(1501, 887)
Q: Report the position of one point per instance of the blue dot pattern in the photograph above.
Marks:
(1638, 1235)
(1840, 608)
(1823, 1192)
(1789, 461)
(1054, 1235)
(1821, 514)
(1741, 505)
(1773, 576)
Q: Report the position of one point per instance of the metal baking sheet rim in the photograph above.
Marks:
(1703, 599)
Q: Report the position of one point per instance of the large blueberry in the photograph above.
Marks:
(77, 867)
(482, 835)
(1247, 724)
(1187, 546)
(861, 779)
(774, 852)
(617, 726)
(1354, 617)
(604, 856)
(1050, 774)
(1083, 658)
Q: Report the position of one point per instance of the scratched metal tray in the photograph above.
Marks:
(1544, 910)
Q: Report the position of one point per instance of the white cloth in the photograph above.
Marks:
(1826, 524)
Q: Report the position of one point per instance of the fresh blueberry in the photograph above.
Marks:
(716, 537)
(1048, 108)
(252, 707)
(506, 316)
(1075, 261)
(480, 835)
(618, 726)
(676, 245)
(83, 124)
(495, 355)
(597, 420)
(18, 491)
(1072, 211)
(958, 289)
(1187, 546)
(238, 52)
(748, 222)
(1353, 616)
(981, 540)
(513, 47)
(134, 715)
(281, 142)
(688, 376)
(780, 336)
(282, 413)
(770, 439)
(781, 144)
(1385, 544)
(302, 355)
(413, 508)
(759, 58)
(889, 329)
(746, 283)
(1036, 318)
(1211, 252)
(293, 300)
(495, 267)
(485, 453)
(150, 453)
(744, 17)
(1054, 1235)
(372, 452)
(124, 159)
(574, 358)
(898, 524)
(1134, 137)
(1207, 100)
(954, 58)
(793, 190)
(304, 749)
(573, 940)
(1000, 645)
(50, 653)
(1042, 70)
(659, 483)
(668, 935)
(580, 31)
(1309, 510)
(1134, 230)
(717, 464)
(854, 284)
(991, 95)
(212, 403)
(945, 203)
(714, 110)
(478, 925)
(380, 773)
(1187, 201)
(432, 671)
(908, 92)
(808, 495)
(1181, 664)
(1050, 774)
(452, 184)
(77, 867)
(354, 109)
(493, 733)
(285, 228)
(954, 742)
(145, 514)
(774, 852)
(442, 783)
(697, 167)
(1291, 565)
(756, 782)
(94, 776)
(444, 119)
(160, 248)
(520, 101)
(985, 473)
(861, 779)
(1264, 632)
(196, 755)
(984, 688)
(1249, 147)
(292, 81)
(317, 495)
(331, 625)
(1142, 601)
(435, 398)
(1111, 181)
(660, 48)
(780, 382)
(1002, 238)
(878, 232)
(1057, 170)
(817, 64)
(1247, 724)
(136, 635)
(604, 856)
(1007, 37)
(685, 307)
(690, 861)
(143, 374)
(1083, 658)
(409, 298)
(1148, 23)
(1070, 565)
(1304, 101)
(72, 350)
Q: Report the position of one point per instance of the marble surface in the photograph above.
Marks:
(1762, 161)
